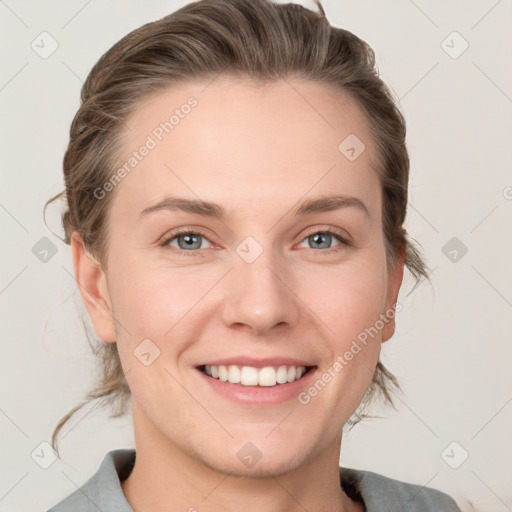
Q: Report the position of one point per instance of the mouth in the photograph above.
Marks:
(250, 376)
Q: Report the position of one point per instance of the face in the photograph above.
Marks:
(272, 275)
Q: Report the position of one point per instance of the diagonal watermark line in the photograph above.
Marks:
(199, 403)
(416, 415)
(280, 423)
(287, 492)
(14, 76)
(211, 81)
(491, 490)
(76, 14)
(80, 489)
(214, 489)
(13, 486)
(95, 301)
(493, 287)
(424, 14)
(491, 419)
(419, 81)
(165, 165)
(485, 15)
(72, 71)
(305, 99)
(423, 278)
(93, 408)
(14, 218)
(13, 13)
(14, 423)
(423, 217)
(305, 193)
(413, 497)
(484, 218)
(301, 301)
(199, 300)
(492, 81)
(13, 279)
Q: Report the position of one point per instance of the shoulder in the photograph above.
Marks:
(383, 494)
(103, 490)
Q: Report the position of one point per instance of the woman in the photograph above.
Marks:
(236, 182)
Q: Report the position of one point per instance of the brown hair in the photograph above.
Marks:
(251, 38)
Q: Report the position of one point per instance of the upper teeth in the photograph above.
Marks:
(250, 376)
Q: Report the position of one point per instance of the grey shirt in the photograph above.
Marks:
(103, 492)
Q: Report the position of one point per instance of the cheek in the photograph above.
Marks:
(349, 298)
(150, 308)
(350, 301)
(149, 303)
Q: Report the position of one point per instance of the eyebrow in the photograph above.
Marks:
(214, 210)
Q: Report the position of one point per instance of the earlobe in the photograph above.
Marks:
(394, 283)
(92, 285)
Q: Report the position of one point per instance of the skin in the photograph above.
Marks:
(257, 150)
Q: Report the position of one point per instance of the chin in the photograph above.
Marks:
(250, 462)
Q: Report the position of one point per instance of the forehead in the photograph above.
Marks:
(239, 140)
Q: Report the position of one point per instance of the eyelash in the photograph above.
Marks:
(195, 252)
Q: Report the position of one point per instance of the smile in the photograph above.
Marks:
(267, 376)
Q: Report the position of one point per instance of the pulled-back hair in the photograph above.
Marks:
(256, 39)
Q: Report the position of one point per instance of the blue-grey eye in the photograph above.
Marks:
(190, 241)
(322, 240)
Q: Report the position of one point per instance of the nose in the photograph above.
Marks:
(260, 296)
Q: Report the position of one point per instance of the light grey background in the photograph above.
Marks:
(452, 350)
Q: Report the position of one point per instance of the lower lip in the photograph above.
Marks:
(260, 395)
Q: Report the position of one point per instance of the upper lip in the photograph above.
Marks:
(257, 363)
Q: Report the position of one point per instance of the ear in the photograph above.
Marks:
(394, 282)
(92, 284)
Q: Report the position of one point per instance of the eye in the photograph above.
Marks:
(188, 242)
(323, 239)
